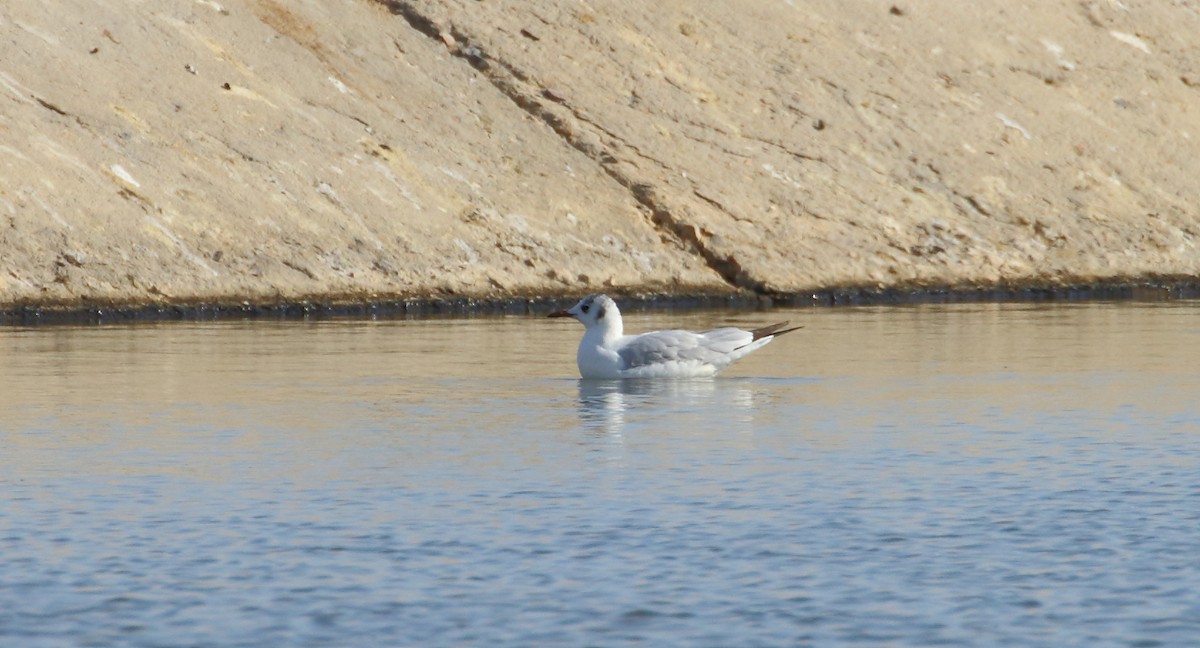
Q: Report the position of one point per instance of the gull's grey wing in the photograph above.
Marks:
(707, 347)
(727, 339)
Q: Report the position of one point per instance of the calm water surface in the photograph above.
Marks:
(972, 475)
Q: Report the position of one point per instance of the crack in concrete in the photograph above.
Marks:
(509, 79)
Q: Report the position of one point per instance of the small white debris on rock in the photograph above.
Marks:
(1130, 39)
(121, 173)
(342, 87)
(1008, 121)
(1058, 52)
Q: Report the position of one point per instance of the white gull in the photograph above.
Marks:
(606, 352)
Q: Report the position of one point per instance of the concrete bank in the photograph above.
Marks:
(177, 156)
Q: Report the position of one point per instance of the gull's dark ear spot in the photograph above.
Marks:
(600, 313)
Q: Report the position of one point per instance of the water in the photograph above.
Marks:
(977, 475)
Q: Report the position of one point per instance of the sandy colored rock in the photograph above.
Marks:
(185, 151)
(270, 151)
(805, 145)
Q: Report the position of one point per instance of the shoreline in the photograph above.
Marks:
(425, 307)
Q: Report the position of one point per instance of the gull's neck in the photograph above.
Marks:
(607, 330)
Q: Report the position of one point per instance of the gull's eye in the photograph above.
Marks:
(585, 307)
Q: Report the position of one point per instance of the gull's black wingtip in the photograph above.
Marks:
(772, 329)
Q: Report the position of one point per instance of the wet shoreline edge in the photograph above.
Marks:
(334, 307)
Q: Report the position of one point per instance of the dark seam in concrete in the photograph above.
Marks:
(506, 77)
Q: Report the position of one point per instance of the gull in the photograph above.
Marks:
(606, 352)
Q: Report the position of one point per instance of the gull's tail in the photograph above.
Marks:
(772, 329)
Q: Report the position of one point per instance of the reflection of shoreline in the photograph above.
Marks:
(604, 404)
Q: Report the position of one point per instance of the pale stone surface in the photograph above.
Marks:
(180, 151)
(821, 143)
(196, 150)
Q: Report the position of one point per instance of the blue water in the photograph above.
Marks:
(975, 475)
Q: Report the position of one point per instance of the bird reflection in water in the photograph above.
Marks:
(611, 406)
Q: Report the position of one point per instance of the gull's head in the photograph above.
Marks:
(593, 310)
